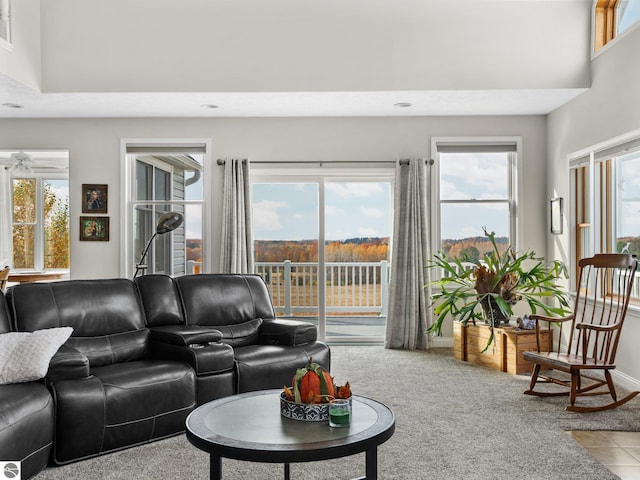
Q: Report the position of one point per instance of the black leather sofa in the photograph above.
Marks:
(109, 390)
(250, 348)
(26, 418)
(143, 354)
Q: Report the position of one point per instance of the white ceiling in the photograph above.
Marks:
(280, 104)
(300, 104)
(376, 48)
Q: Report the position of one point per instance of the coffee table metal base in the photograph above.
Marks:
(371, 467)
(249, 427)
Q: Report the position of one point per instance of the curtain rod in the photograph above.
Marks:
(403, 161)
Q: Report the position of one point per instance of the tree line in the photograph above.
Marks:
(365, 249)
(473, 247)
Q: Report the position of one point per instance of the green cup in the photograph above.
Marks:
(340, 413)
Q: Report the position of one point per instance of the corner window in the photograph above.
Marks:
(5, 20)
(612, 18)
(475, 185)
(605, 188)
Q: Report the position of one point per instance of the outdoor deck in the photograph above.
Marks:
(356, 293)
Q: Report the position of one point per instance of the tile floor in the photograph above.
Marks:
(618, 451)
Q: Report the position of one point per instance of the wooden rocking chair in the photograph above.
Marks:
(603, 290)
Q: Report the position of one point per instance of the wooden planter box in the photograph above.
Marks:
(506, 353)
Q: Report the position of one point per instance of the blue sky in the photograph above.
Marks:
(466, 176)
(628, 183)
(631, 15)
(290, 211)
(61, 188)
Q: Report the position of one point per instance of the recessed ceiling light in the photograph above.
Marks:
(402, 104)
(12, 105)
(209, 105)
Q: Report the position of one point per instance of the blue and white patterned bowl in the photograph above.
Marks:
(308, 412)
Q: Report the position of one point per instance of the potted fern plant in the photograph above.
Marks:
(488, 289)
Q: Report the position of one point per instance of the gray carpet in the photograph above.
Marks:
(454, 420)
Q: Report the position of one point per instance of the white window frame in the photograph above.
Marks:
(283, 173)
(590, 158)
(154, 204)
(616, 34)
(127, 182)
(515, 187)
(5, 20)
(38, 236)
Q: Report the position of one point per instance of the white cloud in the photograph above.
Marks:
(476, 170)
(265, 215)
(193, 221)
(350, 190)
(62, 192)
(372, 212)
(332, 210)
(449, 191)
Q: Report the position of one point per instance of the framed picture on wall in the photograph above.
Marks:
(94, 198)
(94, 229)
(556, 215)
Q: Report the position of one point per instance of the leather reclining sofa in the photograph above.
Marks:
(26, 418)
(143, 354)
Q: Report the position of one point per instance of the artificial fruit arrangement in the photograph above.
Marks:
(312, 384)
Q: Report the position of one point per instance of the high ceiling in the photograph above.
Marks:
(87, 58)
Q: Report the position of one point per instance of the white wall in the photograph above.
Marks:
(21, 60)
(609, 109)
(306, 45)
(94, 149)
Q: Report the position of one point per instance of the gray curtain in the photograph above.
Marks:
(408, 305)
(236, 252)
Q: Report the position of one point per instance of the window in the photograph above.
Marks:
(5, 20)
(153, 183)
(475, 187)
(605, 188)
(613, 17)
(628, 14)
(165, 178)
(40, 222)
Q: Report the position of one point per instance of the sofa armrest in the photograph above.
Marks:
(279, 331)
(67, 364)
(185, 335)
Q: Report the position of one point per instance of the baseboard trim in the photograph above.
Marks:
(625, 381)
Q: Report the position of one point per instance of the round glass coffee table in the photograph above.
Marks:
(249, 427)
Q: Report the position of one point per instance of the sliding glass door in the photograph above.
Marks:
(343, 285)
(357, 231)
(285, 232)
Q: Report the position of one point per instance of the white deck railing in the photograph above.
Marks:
(352, 288)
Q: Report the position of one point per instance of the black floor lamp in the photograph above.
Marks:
(166, 223)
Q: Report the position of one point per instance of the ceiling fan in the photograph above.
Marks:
(21, 164)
